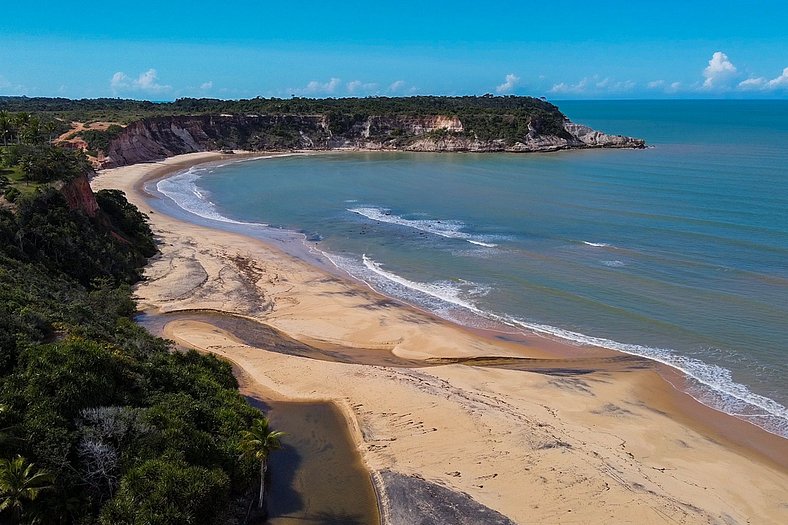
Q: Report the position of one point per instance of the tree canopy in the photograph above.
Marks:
(99, 420)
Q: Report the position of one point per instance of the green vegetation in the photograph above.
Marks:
(28, 161)
(100, 422)
(99, 139)
(126, 111)
(257, 444)
(28, 126)
(45, 163)
(21, 483)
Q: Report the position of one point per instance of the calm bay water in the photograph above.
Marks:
(678, 252)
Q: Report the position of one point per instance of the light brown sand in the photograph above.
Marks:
(617, 445)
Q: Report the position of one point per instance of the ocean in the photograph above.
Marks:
(678, 252)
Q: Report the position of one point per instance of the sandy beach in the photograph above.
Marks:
(534, 429)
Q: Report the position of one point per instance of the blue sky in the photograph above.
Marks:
(240, 49)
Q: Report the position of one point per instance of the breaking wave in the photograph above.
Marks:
(182, 189)
(450, 229)
(710, 384)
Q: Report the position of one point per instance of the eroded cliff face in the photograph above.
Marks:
(79, 196)
(157, 138)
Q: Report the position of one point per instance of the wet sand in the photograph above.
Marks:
(534, 429)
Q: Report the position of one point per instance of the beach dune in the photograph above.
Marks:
(535, 429)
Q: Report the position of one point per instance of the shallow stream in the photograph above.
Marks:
(317, 477)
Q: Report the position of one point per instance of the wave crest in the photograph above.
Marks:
(183, 190)
(710, 384)
(450, 229)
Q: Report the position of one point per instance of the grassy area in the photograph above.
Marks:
(16, 179)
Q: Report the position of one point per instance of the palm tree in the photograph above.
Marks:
(257, 443)
(5, 126)
(20, 120)
(49, 127)
(20, 482)
(31, 132)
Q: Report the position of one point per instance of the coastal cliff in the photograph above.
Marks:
(79, 196)
(159, 137)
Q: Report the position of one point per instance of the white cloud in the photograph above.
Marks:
(720, 77)
(781, 81)
(720, 72)
(762, 84)
(563, 87)
(400, 88)
(663, 85)
(206, 85)
(752, 84)
(354, 86)
(147, 81)
(397, 86)
(594, 86)
(357, 87)
(320, 88)
(509, 84)
(335, 87)
(622, 86)
(120, 81)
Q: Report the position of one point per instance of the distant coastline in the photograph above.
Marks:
(123, 132)
(161, 137)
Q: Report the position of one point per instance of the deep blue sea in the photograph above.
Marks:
(678, 252)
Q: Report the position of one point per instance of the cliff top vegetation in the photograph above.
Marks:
(126, 111)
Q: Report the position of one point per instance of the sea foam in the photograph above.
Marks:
(447, 291)
(710, 384)
(597, 244)
(182, 189)
(451, 229)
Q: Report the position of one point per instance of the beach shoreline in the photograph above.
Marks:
(538, 423)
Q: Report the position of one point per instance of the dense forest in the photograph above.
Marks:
(100, 422)
(125, 111)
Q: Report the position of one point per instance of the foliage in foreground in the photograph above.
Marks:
(101, 420)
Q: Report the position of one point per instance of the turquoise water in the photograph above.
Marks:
(678, 252)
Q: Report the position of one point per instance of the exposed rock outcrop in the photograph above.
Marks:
(593, 138)
(156, 138)
(411, 499)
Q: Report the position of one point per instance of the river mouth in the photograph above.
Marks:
(318, 476)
